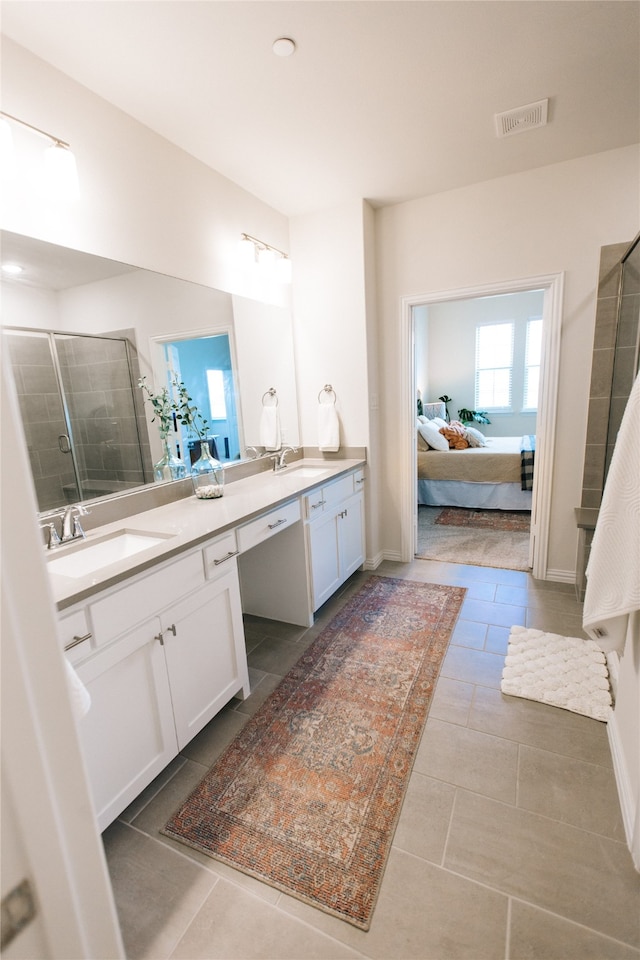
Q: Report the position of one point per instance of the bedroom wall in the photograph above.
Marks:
(450, 344)
(551, 220)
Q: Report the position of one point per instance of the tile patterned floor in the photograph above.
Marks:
(510, 843)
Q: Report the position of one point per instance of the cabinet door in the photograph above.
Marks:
(128, 735)
(351, 535)
(205, 652)
(324, 557)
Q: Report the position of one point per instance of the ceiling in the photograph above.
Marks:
(383, 99)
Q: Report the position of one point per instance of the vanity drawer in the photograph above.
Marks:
(322, 498)
(122, 609)
(216, 553)
(75, 635)
(267, 525)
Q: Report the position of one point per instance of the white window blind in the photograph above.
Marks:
(217, 403)
(494, 365)
(532, 363)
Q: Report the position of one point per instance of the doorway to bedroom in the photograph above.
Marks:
(491, 352)
(479, 359)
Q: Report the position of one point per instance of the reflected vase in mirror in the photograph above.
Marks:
(207, 475)
(169, 467)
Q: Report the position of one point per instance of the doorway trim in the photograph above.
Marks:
(553, 285)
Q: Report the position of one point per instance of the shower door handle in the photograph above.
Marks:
(64, 443)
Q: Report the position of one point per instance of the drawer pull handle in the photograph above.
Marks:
(272, 526)
(76, 640)
(232, 553)
(360, 480)
(320, 503)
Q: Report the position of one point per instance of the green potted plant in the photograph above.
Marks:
(467, 416)
(169, 467)
(207, 473)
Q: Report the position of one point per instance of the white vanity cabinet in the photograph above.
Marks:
(167, 653)
(334, 534)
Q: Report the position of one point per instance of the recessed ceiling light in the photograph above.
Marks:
(12, 268)
(284, 47)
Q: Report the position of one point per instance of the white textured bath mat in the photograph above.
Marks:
(565, 672)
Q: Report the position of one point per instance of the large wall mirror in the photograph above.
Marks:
(80, 330)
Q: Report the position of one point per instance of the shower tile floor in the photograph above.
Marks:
(510, 844)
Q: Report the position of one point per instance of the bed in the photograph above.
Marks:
(490, 477)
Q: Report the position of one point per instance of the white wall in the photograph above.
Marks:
(143, 200)
(329, 309)
(546, 221)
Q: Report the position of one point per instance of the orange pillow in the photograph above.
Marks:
(456, 439)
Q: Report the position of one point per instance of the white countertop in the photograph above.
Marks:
(188, 522)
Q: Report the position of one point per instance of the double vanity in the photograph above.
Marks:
(150, 608)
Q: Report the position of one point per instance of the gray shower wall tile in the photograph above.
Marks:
(601, 373)
(598, 420)
(604, 335)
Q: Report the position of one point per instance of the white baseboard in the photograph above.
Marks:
(372, 563)
(628, 802)
(561, 576)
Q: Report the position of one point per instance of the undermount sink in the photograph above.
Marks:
(88, 556)
(306, 472)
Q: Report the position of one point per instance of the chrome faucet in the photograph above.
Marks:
(279, 461)
(70, 528)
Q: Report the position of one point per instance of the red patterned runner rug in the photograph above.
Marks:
(517, 521)
(307, 796)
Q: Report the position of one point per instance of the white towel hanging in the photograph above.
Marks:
(328, 423)
(270, 437)
(80, 697)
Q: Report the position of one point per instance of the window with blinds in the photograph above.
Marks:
(494, 366)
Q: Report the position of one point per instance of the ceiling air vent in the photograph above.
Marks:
(522, 118)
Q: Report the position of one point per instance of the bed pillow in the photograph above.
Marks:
(455, 439)
(439, 422)
(431, 433)
(475, 438)
(423, 446)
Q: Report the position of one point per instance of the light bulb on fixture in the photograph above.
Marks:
(60, 173)
(283, 269)
(247, 250)
(266, 257)
(60, 176)
(273, 263)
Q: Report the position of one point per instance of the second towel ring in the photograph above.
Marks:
(327, 389)
(270, 393)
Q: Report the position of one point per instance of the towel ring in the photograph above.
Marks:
(270, 393)
(327, 389)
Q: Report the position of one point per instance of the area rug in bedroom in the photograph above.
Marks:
(307, 796)
(482, 542)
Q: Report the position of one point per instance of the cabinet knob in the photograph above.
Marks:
(172, 629)
(159, 637)
(360, 480)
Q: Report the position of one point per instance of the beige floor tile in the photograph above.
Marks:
(572, 791)
(233, 925)
(469, 633)
(155, 787)
(424, 822)
(555, 621)
(470, 759)
(580, 876)
(206, 747)
(423, 913)
(497, 640)
(500, 614)
(261, 692)
(274, 655)
(451, 701)
(538, 935)
(540, 725)
(473, 666)
(157, 891)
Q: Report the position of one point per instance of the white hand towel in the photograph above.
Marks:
(270, 437)
(328, 428)
(613, 571)
(80, 697)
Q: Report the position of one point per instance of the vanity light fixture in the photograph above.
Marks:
(253, 250)
(60, 171)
